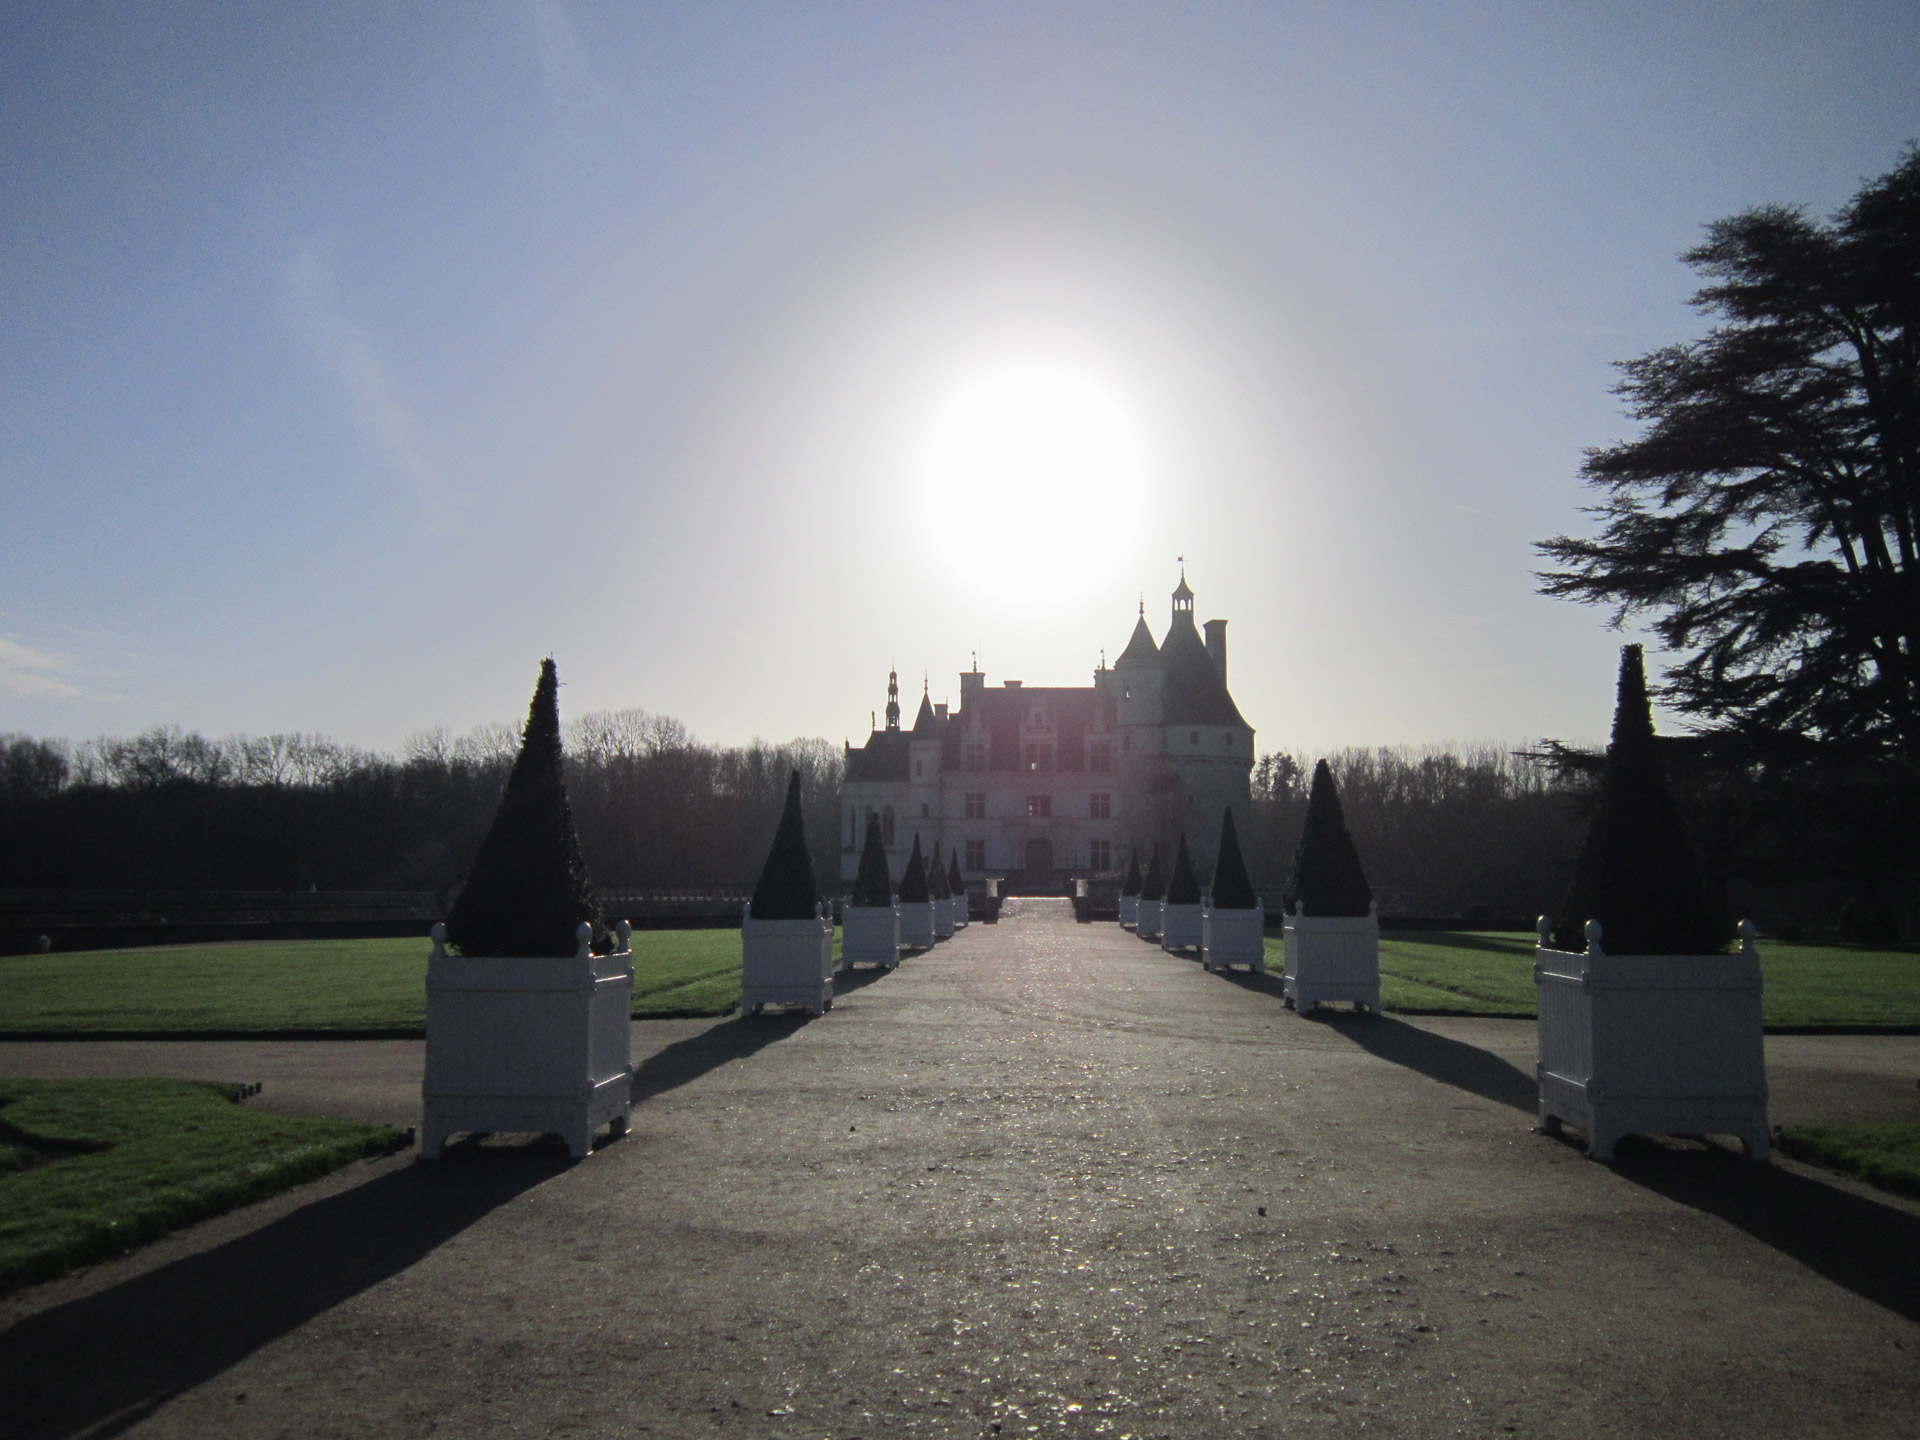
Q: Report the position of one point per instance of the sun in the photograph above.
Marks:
(1034, 477)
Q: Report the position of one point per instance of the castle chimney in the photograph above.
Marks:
(1217, 646)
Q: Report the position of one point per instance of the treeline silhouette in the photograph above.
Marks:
(1480, 830)
(173, 810)
(1443, 830)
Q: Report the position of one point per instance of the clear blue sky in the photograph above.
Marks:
(352, 358)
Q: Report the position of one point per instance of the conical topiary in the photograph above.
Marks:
(1636, 873)
(1154, 887)
(937, 876)
(1232, 886)
(1131, 886)
(528, 889)
(1327, 878)
(1184, 887)
(786, 889)
(872, 886)
(913, 884)
(956, 882)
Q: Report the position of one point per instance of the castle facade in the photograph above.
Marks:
(1035, 786)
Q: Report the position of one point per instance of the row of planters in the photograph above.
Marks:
(529, 1000)
(1647, 1024)
(1331, 944)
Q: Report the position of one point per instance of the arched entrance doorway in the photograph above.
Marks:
(1039, 853)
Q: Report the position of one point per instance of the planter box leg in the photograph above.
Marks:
(1600, 1142)
(580, 1139)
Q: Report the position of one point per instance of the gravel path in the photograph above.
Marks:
(1016, 1187)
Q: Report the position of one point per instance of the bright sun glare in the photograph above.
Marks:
(1034, 477)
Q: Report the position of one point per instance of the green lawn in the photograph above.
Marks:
(1491, 973)
(1883, 1155)
(89, 1168)
(312, 985)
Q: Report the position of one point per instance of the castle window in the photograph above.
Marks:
(1100, 807)
(1100, 854)
(1039, 807)
(1100, 758)
(886, 826)
(976, 855)
(976, 757)
(976, 806)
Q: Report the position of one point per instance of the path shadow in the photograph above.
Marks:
(1864, 1245)
(845, 982)
(1451, 1062)
(687, 1060)
(101, 1364)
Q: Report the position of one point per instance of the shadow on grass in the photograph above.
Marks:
(1863, 1245)
(102, 1364)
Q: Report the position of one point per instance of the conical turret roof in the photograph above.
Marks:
(923, 719)
(1140, 645)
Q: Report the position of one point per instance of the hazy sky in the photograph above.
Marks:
(353, 358)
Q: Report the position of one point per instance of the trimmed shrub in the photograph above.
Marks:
(1133, 881)
(913, 884)
(1636, 873)
(528, 890)
(786, 889)
(956, 882)
(1154, 887)
(1232, 886)
(1184, 887)
(872, 886)
(937, 876)
(1327, 878)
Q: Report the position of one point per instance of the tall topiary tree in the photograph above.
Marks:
(913, 884)
(528, 889)
(937, 876)
(1636, 873)
(1154, 887)
(1184, 887)
(1232, 886)
(956, 882)
(872, 886)
(1131, 886)
(1327, 878)
(786, 890)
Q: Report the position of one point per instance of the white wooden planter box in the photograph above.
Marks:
(1651, 1044)
(960, 909)
(943, 919)
(916, 924)
(870, 935)
(1147, 920)
(1332, 957)
(786, 962)
(1179, 927)
(528, 1044)
(1234, 937)
(1129, 912)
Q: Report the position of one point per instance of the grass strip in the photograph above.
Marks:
(1884, 1155)
(90, 1168)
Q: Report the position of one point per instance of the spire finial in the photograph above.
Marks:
(1143, 604)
